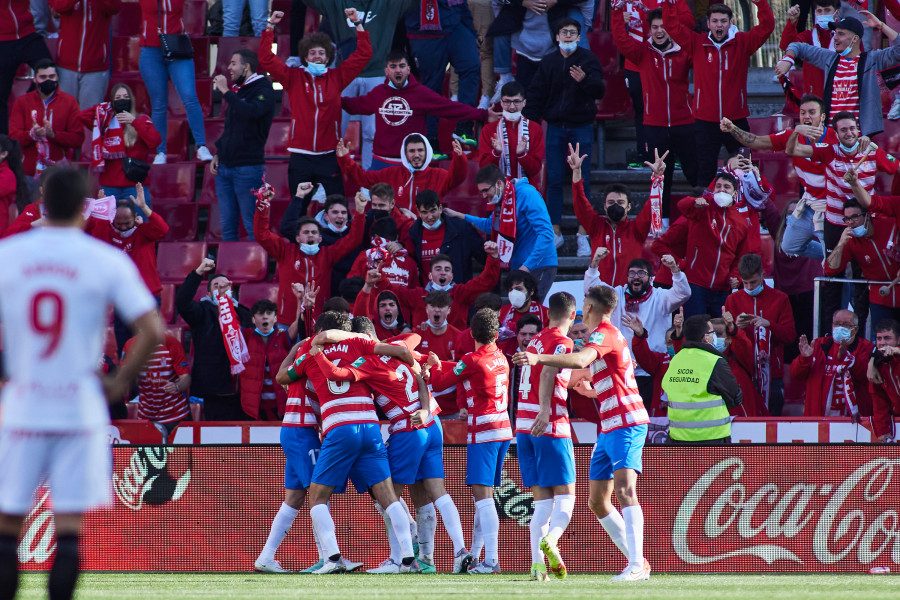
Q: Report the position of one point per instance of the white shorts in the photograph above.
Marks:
(75, 466)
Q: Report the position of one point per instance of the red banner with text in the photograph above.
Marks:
(731, 508)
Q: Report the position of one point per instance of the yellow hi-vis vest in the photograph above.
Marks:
(694, 414)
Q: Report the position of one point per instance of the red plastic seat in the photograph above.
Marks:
(616, 103)
(126, 54)
(194, 17)
(251, 292)
(174, 260)
(227, 46)
(128, 20)
(781, 175)
(201, 55)
(182, 219)
(214, 228)
(283, 51)
(175, 182)
(177, 140)
(167, 303)
(208, 191)
(279, 139)
(19, 87)
(465, 198)
(136, 83)
(213, 129)
(277, 177)
(242, 261)
(767, 125)
(204, 95)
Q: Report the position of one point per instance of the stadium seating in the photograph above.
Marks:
(128, 20)
(176, 259)
(226, 48)
(279, 138)
(616, 103)
(173, 181)
(251, 292)
(194, 17)
(242, 261)
(167, 303)
(182, 218)
(204, 95)
(126, 54)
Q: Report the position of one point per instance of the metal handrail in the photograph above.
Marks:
(817, 281)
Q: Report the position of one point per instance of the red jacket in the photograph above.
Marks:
(294, 266)
(717, 239)
(741, 359)
(16, 20)
(816, 371)
(531, 161)
(274, 347)
(140, 246)
(664, 75)
(61, 113)
(625, 240)
(673, 241)
(638, 28)
(315, 101)
(813, 77)
(8, 186)
(84, 33)
(29, 215)
(147, 140)
(774, 306)
(171, 20)
(720, 73)
(886, 398)
(652, 362)
(407, 184)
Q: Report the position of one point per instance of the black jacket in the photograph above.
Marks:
(211, 373)
(248, 119)
(722, 381)
(557, 98)
(462, 243)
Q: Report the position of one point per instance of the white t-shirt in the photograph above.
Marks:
(56, 288)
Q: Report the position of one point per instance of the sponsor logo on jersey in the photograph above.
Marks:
(596, 338)
(459, 368)
(561, 349)
(358, 362)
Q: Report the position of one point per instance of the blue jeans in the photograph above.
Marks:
(800, 237)
(156, 72)
(234, 188)
(378, 165)
(705, 301)
(125, 193)
(502, 54)
(233, 11)
(557, 141)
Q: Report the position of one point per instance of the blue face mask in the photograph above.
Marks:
(851, 148)
(822, 21)
(840, 334)
(846, 50)
(309, 249)
(264, 334)
(859, 231)
(755, 291)
(316, 69)
(719, 344)
(568, 46)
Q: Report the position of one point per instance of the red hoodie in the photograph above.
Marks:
(531, 161)
(140, 246)
(170, 21)
(402, 112)
(813, 77)
(16, 20)
(315, 101)
(717, 239)
(61, 113)
(774, 306)
(720, 73)
(740, 356)
(84, 33)
(148, 139)
(886, 398)
(23, 222)
(664, 75)
(818, 373)
(638, 28)
(8, 185)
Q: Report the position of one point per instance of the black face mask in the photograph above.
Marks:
(48, 86)
(615, 212)
(664, 46)
(120, 106)
(379, 214)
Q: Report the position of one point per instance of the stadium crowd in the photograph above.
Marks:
(419, 226)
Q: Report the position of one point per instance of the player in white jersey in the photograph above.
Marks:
(56, 287)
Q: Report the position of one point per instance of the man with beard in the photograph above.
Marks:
(654, 306)
(885, 389)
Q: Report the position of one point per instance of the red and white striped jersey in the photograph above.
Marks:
(845, 88)
(302, 409)
(837, 162)
(166, 364)
(484, 375)
(547, 341)
(810, 172)
(612, 374)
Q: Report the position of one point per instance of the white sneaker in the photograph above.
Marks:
(272, 566)
(331, 567)
(484, 568)
(388, 567)
(203, 154)
(583, 242)
(350, 565)
(484, 103)
(413, 567)
(894, 113)
(462, 561)
(160, 158)
(504, 79)
(454, 98)
(558, 240)
(630, 573)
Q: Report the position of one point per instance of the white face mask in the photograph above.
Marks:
(517, 298)
(568, 46)
(390, 325)
(431, 227)
(512, 116)
(309, 249)
(723, 199)
(440, 326)
(441, 288)
(128, 232)
(822, 21)
(336, 229)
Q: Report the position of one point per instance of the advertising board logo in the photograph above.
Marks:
(147, 480)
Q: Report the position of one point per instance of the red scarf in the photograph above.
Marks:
(429, 14)
(505, 161)
(633, 303)
(107, 139)
(763, 352)
(235, 345)
(379, 251)
(656, 193)
(43, 146)
(506, 231)
(839, 383)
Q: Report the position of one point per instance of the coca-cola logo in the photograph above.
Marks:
(38, 542)
(836, 517)
(513, 502)
(146, 479)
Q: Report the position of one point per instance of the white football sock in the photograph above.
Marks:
(324, 524)
(392, 538)
(634, 533)
(490, 529)
(413, 527)
(399, 523)
(538, 527)
(282, 522)
(563, 507)
(426, 517)
(452, 523)
(614, 525)
(319, 549)
(477, 537)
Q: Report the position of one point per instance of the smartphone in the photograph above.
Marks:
(745, 152)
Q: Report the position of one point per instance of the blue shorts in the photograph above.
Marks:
(545, 461)
(301, 451)
(356, 451)
(484, 462)
(416, 455)
(618, 449)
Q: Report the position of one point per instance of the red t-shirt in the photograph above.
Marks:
(442, 345)
(431, 245)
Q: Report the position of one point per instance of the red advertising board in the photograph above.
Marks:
(736, 508)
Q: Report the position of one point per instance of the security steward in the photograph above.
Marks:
(700, 388)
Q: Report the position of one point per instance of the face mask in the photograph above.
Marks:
(439, 326)
(719, 344)
(120, 106)
(850, 149)
(723, 199)
(264, 334)
(670, 350)
(859, 231)
(512, 116)
(240, 80)
(568, 46)
(48, 87)
(840, 334)
(316, 69)
(128, 232)
(755, 291)
(822, 21)
(441, 288)
(309, 249)
(495, 199)
(336, 229)
(846, 50)
(662, 46)
(431, 227)
(615, 212)
(390, 325)
(379, 214)
(517, 298)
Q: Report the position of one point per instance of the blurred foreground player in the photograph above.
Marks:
(616, 461)
(54, 308)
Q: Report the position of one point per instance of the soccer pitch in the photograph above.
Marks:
(164, 586)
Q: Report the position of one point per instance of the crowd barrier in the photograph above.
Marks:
(740, 508)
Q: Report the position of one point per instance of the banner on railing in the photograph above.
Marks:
(737, 508)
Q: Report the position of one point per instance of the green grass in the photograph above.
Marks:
(164, 586)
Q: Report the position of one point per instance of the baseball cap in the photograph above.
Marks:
(850, 24)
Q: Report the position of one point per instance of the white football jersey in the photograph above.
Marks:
(56, 288)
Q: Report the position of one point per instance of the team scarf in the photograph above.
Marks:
(43, 146)
(506, 229)
(505, 162)
(838, 382)
(430, 16)
(656, 193)
(633, 303)
(107, 138)
(237, 86)
(763, 353)
(235, 344)
(379, 251)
